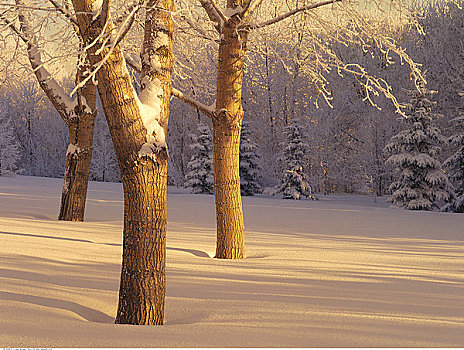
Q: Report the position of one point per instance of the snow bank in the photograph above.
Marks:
(340, 272)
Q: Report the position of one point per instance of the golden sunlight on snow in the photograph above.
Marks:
(340, 272)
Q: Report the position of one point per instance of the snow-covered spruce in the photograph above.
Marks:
(421, 181)
(199, 175)
(294, 182)
(250, 170)
(9, 147)
(455, 166)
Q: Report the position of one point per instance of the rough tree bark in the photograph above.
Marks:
(227, 123)
(144, 173)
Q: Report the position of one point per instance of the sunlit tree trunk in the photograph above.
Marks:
(142, 288)
(227, 124)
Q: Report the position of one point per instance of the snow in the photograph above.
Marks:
(96, 8)
(339, 272)
(73, 149)
(149, 103)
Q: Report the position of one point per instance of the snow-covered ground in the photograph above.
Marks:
(342, 271)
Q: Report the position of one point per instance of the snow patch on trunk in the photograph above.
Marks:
(73, 149)
(96, 8)
(162, 39)
(149, 103)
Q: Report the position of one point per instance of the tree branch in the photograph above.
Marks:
(289, 14)
(207, 110)
(250, 8)
(214, 14)
(15, 30)
(218, 11)
(133, 64)
(56, 94)
(64, 12)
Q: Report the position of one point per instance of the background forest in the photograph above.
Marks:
(345, 142)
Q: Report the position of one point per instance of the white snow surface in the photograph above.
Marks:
(343, 271)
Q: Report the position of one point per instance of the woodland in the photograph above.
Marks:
(234, 98)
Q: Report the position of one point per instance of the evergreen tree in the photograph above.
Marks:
(413, 151)
(199, 175)
(455, 165)
(9, 147)
(249, 166)
(294, 182)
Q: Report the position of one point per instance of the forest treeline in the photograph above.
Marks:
(346, 142)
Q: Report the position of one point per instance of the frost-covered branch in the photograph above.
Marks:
(194, 19)
(250, 8)
(205, 109)
(122, 16)
(14, 29)
(214, 13)
(108, 40)
(63, 104)
(64, 11)
(291, 13)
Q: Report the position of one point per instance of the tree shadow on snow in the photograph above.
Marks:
(195, 252)
(86, 313)
(58, 238)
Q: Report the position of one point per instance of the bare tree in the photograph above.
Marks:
(78, 114)
(239, 20)
(138, 125)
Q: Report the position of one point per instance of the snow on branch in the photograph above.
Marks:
(64, 105)
(195, 20)
(205, 109)
(214, 13)
(108, 39)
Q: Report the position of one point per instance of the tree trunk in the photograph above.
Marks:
(76, 179)
(226, 141)
(78, 156)
(79, 117)
(142, 288)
